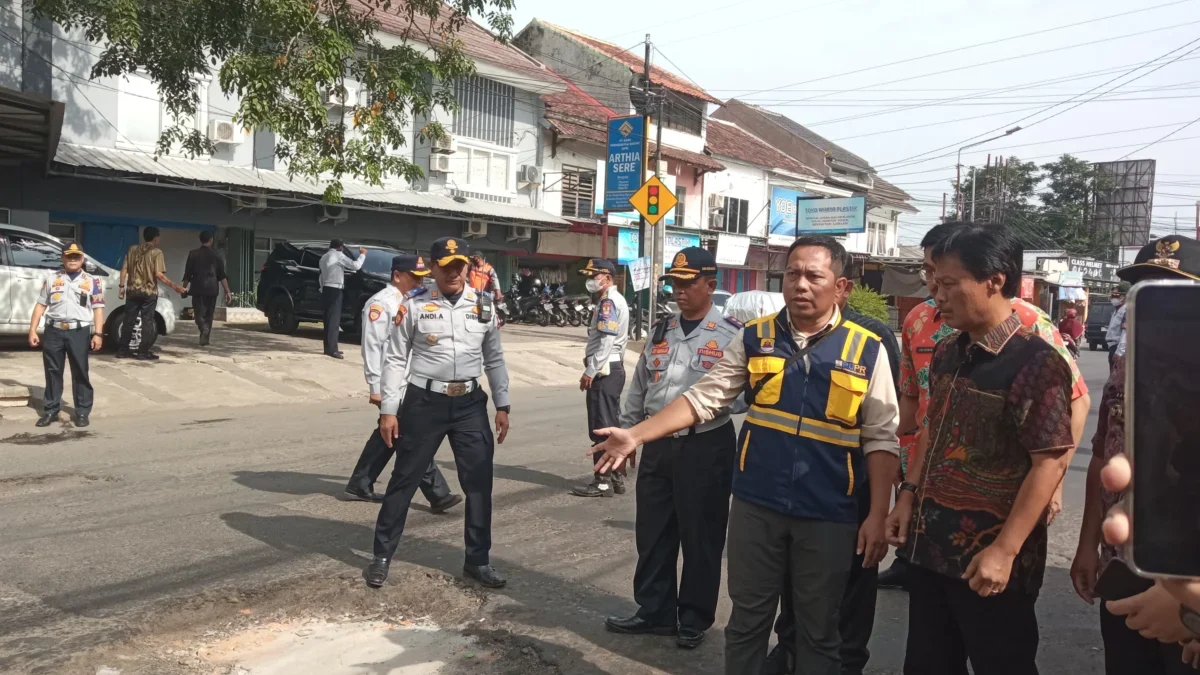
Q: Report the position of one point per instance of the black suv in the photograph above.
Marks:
(289, 289)
(1099, 314)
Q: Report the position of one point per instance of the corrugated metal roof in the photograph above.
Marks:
(186, 172)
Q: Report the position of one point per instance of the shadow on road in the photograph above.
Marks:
(291, 482)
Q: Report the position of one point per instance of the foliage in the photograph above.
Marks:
(868, 303)
(1008, 187)
(278, 59)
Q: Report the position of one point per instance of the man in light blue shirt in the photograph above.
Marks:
(334, 265)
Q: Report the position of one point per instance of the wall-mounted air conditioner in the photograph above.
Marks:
(439, 163)
(445, 145)
(716, 201)
(224, 131)
(519, 233)
(475, 229)
(530, 174)
(252, 203)
(341, 97)
(331, 213)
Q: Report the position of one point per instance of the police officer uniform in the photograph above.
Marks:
(435, 355)
(70, 304)
(333, 267)
(604, 362)
(684, 480)
(378, 318)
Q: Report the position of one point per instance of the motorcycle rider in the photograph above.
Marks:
(1072, 330)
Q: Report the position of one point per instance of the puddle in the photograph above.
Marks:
(28, 438)
(353, 648)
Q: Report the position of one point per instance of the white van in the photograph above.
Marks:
(28, 256)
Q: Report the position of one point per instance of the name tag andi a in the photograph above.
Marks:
(850, 367)
(661, 348)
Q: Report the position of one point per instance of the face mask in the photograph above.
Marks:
(593, 285)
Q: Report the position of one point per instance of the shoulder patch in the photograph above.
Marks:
(374, 312)
(401, 312)
(732, 321)
(607, 309)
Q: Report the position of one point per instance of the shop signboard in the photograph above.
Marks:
(623, 173)
(627, 245)
(732, 249)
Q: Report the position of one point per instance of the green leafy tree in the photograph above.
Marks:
(1066, 214)
(868, 303)
(1000, 191)
(280, 57)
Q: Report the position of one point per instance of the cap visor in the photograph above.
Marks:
(451, 258)
(589, 273)
(678, 275)
(419, 273)
(73, 254)
(1134, 273)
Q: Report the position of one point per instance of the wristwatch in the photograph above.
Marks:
(1190, 619)
(906, 486)
(503, 408)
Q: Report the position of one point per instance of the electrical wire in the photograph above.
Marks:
(1160, 140)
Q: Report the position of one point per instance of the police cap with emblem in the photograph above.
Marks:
(596, 266)
(448, 249)
(410, 263)
(72, 249)
(690, 263)
(1173, 255)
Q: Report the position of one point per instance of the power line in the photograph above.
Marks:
(1160, 140)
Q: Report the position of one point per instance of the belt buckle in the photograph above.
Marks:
(456, 388)
(64, 325)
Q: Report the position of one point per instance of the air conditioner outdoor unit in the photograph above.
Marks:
(716, 201)
(530, 174)
(475, 229)
(445, 145)
(336, 98)
(716, 221)
(224, 131)
(439, 163)
(519, 233)
(333, 214)
(258, 203)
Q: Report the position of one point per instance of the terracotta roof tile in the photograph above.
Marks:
(818, 141)
(636, 63)
(727, 140)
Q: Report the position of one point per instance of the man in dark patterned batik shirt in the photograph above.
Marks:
(972, 521)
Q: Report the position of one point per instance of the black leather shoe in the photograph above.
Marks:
(81, 421)
(336, 355)
(597, 488)
(636, 625)
(779, 662)
(618, 484)
(446, 504)
(689, 638)
(357, 495)
(147, 357)
(46, 420)
(204, 339)
(485, 575)
(895, 576)
(377, 572)
(125, 355)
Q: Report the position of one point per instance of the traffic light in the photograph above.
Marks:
(653, 201)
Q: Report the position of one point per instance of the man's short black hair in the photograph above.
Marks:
(985, 250)
(150, 233)
(938, 233)
(205, 237)
(839, 258)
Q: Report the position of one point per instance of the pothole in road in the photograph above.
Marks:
(47, 482)
(27, 438)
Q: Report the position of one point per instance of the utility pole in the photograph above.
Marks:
(645, 156)
(943, 207)
(972, 194)
(659, 263)
(1198, 219)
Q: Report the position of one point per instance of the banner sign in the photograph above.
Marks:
(732, 249)
(639, 270)
(625, 164)
(627, 245)
(782, 212)
(834, 215)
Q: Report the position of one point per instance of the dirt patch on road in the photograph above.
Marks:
(420, 623)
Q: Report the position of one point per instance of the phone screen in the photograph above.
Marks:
(1164, 363)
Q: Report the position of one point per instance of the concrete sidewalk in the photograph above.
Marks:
(246, 365)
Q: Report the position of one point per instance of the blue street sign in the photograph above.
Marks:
(624, 167)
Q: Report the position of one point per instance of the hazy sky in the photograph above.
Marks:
(799, 50)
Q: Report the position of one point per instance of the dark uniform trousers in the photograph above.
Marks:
(683, 502)
(58, 347)
(204, 306)
(426, 419)
(143, 306)
(604, 401)
(374, 459)
(1126, 652)
(331, 302)
(857, 616)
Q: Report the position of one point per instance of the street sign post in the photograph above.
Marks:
(653, 200)
(626, 158)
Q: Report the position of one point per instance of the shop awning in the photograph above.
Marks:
(29, 128)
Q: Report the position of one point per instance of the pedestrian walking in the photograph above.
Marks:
(72, 302)
(971, 518)
(821, 397)
(334, 265)
(683, 484)
(482, 277)
(378, 320)
(604, 367)
(1126, 651)
(442, 343)
(1114, 337)
(923, 328)
(202, 273)
(141, 273)
(856, 618)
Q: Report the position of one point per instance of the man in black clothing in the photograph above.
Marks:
(201, 274)
(857, 614)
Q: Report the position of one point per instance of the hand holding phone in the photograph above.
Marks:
(1118, 582)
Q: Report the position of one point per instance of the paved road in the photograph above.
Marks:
(100, 526)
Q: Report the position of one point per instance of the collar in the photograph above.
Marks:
(708, 323)
(995, 339)
(786, 320)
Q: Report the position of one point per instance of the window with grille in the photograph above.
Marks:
(486, 110)
(683, 115)
(680, 213)
(578, 192)
(737, 215)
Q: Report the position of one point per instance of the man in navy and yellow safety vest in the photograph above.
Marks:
(823, 416)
